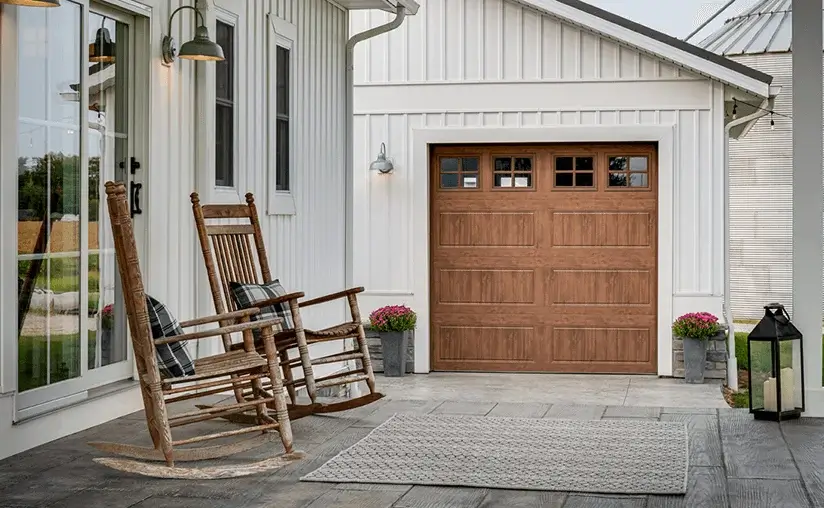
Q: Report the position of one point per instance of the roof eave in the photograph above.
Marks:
(656, 43)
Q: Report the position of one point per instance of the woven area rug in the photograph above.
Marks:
(606, 456)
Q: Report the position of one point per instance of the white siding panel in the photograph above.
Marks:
(472, 40)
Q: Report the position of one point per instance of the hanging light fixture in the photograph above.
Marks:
(102, 49)
(33, 3)
(199, 48)
(381, 163)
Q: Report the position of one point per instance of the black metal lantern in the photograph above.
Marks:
(775, 352)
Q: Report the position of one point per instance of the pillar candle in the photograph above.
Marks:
(770, 402)
(787, 389)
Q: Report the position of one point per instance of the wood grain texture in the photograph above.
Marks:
(754, 449)
(704, 439)
(804, 439)
(597, 501)
(361, 498)
(545, 257)
(519, 499)
(706, 487)
(767, 494)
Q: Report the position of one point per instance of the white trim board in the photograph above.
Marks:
(421, 138)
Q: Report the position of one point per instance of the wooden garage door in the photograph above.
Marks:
(544, 258)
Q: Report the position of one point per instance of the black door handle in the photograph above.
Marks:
(135, 197)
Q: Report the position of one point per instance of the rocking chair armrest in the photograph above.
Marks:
(229, 316)
(332, 297)
(216, 332)
(280, 299)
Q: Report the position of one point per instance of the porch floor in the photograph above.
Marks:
(734, 460)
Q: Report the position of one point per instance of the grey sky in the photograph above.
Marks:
(675, 17)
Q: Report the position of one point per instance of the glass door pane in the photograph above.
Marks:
(109, 151)
(49, 197)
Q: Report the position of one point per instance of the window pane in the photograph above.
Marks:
(224, 146)
(563, 179)
(617, 180)
(449, 165)
(638, 163)
(283, 58)
(583, 163)
(282, 175)
(563, 164)
(503, 180)
(617, 163)
(583, 179)
(49, 176)
(449, 181)
(523, 180)
(503, 164)
(223, 69)
(470, 164)
(470, 180)
(638, 180)
(523, 164)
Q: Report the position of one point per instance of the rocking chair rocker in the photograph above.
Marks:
(229, 252)
(240, 369)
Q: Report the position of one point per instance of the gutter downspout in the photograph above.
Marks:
(349, 178)
(732, 361)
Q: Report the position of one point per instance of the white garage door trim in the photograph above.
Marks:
(423, 137)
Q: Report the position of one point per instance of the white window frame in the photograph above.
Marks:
(282, 34)
(229, 18)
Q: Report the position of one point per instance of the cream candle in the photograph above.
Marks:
(770, 402)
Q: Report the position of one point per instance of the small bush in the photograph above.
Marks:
(392, 318)
(696, 325)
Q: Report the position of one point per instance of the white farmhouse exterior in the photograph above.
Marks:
(270, 119)
(487, 109)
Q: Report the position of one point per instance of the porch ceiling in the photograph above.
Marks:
(411, 6)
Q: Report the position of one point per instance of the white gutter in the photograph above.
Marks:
(400, 11)
(732, 361)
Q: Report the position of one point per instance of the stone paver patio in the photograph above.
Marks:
(734, 460)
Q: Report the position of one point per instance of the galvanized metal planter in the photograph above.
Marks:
(394, 346)
(695, 357)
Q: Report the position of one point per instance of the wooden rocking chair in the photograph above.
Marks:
(229, 252)
(243, 368)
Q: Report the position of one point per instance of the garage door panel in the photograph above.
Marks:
(601, 345)
(602, 229)
(487, 229)
(487, 343)
(484, 286)
(601, 287)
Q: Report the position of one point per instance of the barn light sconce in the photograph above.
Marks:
(33, 3)
(199, 48)
(382, 164)
(102, 50)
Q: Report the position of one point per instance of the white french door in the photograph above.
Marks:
(76, 128)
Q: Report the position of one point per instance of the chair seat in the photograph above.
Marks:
(341, 331)
(222, 365)
(286, 338)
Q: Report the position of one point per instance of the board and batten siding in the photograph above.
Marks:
(761, 209)
(496, 63)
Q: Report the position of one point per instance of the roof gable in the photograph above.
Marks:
(656, 43)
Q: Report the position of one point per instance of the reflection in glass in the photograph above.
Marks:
(470, 180)
(48, 196)
(583, 179)
(583, 163)
(617, 180)
(449, 164)
(638, 180)
(449, 181)
(617, 163)
(470, 164)
(563, 164)
(638, 164)
(108, 147)
(503, 164)
(523, 164)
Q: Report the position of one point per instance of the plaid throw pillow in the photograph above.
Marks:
(173, 359)
(248, 295)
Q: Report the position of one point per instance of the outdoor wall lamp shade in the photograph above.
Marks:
(102, 49)
(381, 163)
(33, 3)
(199, 48)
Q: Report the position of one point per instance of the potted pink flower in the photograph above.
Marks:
(394, 324)
(695, 329)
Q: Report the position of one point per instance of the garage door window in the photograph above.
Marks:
(512, 172)
(573, 171)
(629, 171)
(459, 172)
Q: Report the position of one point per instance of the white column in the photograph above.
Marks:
(808, 192)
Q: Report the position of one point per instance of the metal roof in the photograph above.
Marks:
(655, 35)
(765, 27)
